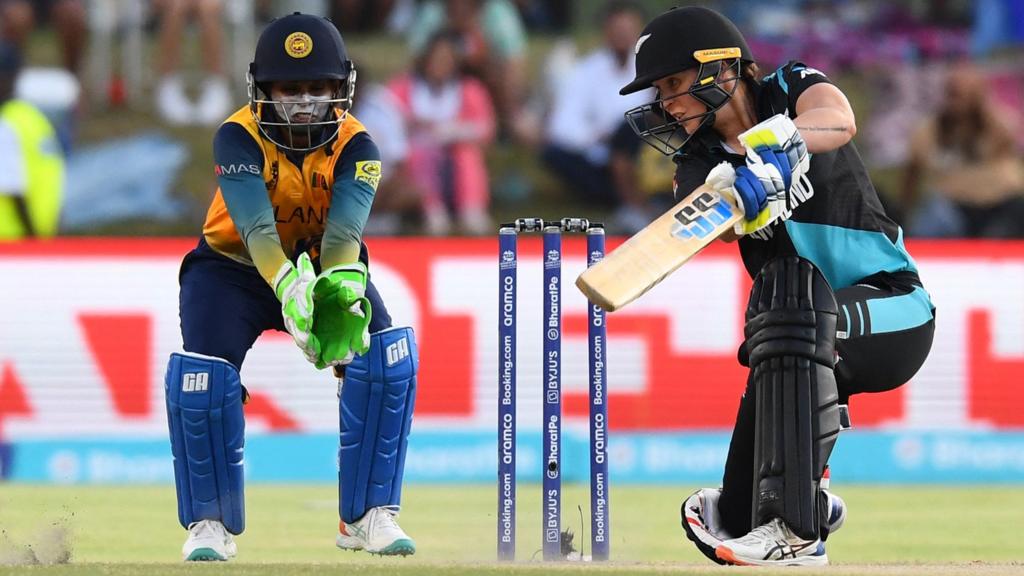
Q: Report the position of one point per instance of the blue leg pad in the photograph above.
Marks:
(204, 415)
(377, 400)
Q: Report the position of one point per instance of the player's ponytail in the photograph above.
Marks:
(750, 71)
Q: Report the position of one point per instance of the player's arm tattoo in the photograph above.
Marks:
(823, 128)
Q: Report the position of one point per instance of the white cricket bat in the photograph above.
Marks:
(646, 258)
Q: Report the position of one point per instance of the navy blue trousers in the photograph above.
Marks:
(224, 306)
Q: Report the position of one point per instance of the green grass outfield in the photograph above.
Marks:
(290, 531)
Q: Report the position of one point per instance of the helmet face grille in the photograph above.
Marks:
(657, 127)
(277, 124)
(667, 134)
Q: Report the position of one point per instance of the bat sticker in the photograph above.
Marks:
(699, 218)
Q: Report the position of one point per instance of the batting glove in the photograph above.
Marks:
(751, 200)
(777, 158)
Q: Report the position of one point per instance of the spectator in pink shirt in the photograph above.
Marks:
(448, 118)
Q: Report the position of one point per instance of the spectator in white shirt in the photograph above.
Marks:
(587, 137)
(398, 194)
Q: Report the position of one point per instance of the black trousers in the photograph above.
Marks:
(868, 362)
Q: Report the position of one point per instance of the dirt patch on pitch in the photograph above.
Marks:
(48, 545)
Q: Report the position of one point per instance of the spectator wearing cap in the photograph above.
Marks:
(31, 164)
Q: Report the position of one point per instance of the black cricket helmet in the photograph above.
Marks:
(675, 41)
(300, 47)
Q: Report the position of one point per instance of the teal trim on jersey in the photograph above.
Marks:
(350, 207)
(900, 312)
(351, 200)
(845, 256)
(782, 79)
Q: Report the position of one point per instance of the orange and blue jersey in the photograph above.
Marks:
(271, 205)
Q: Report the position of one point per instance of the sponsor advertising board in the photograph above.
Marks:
(89, 323)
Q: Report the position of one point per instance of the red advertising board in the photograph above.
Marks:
(90, 322)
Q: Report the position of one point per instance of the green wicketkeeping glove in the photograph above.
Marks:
(293, 286)
(341, 318)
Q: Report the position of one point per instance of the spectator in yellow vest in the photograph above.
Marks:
(31, 164)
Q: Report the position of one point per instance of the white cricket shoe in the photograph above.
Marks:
(208, 540)
(703, 525)
(773, 544)
(701, 521)
(377, 533)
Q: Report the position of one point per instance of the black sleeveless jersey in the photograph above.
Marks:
(841, 227)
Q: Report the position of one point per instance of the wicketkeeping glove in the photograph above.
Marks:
(293, 286)
(342, 314)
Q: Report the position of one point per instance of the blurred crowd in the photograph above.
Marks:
(498, 101)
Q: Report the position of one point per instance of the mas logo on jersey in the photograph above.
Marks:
(298, 45)
(232, 169)
(368, 171)
(700, 218)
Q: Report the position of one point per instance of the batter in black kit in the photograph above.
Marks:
(836, 308)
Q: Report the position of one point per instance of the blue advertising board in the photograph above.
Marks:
(440, 457)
